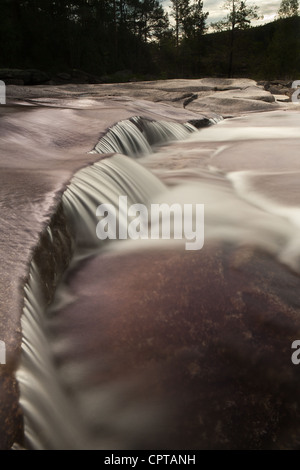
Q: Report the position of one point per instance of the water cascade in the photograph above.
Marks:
(51, 419)
(136, 137)
(103, 183)
(65, 400)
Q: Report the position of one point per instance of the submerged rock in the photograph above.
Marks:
(192, 349)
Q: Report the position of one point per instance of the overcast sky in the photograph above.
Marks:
(267, 8)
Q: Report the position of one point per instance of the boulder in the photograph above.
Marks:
(282, 98)
(79, 76)
(15, 75)
(248, 93)
(229, 106)
(23, 77)
(64, 76)
(227, 83)
(37, 77)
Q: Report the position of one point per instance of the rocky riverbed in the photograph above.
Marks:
(247, 294)
(228, 97)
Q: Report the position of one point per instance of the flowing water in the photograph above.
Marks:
(49, 418)
(136, 136)
(64, 405)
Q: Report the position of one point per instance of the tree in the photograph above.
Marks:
(158, 23)
(189, 19)
(180, 11)
(288, 8)
(147, 19)
(239, 17)
(194, 23)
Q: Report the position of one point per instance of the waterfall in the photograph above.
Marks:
(103, 183)
(54, 419)
(61, 411)
(105, 339)
(45, 404)
(51, 420)
(136, 137)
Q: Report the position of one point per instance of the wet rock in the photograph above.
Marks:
(14, 81)
(64, 76)
(229, 106)
(79, 76)
(282, 98)
(15, 74)
(41, 147)
(221, 84)
(11, 419)
(249, 93)
(42, 144)
(278, 87)
(121, 76)
(277, 90)
(210, 96)
(23, 77)
(198, 345)
(37, 77)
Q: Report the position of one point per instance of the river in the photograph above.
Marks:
(134, 344)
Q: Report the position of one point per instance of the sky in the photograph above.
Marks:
(267, 8)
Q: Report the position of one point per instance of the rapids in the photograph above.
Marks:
(90, 373)
(140, 344)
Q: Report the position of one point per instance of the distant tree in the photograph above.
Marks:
(189, 19)
(148, 19)
(180, 11)
(239, 17)
(194, 24)
(288, 8)
(158, 23)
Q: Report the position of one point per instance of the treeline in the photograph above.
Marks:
(264, 52)
(98, 36)
(137, 38)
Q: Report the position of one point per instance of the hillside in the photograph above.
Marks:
(264, 52)
(95, 45)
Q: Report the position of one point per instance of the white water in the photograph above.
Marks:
(103, 183)
(57, 418)
(52, 419)
(135, 137)
(45, 403)
(288, 216)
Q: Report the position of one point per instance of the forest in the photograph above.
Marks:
(121, 40)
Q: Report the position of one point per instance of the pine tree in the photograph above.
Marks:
(189, 18)
(288, 8)
(180, 11)
(149, 20)
(239, 17)
(194, 23)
